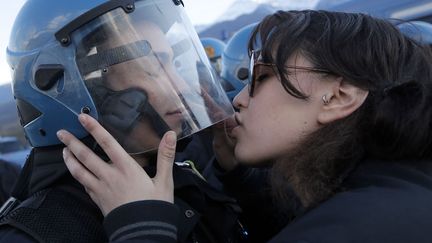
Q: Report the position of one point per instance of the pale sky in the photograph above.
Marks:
(199, 11)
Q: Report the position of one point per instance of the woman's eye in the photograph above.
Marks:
(262, 76)
(263, 72)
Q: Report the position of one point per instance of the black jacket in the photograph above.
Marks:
(8, 175)
(58, 210)
(379, 202)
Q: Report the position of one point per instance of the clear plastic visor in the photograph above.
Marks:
(148, 73)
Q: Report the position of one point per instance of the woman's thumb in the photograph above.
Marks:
(165, 159)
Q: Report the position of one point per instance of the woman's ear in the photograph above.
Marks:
(341, 102)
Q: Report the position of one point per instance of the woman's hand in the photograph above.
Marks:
(223, 144)
(111, 185)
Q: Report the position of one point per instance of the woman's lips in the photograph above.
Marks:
(237, 120)
(230, 124)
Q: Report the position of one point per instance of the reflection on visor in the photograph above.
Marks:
(114, 56)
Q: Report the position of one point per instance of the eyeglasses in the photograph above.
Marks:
(256, 68)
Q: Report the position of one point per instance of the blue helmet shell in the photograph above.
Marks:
(213, 47)
(418, 30)
(32, 43)
(235, 61)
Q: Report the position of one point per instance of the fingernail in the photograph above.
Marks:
(171, 138)
(65, 150)
(83, 119)
(60, 135)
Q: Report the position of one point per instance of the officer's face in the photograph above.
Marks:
(156, 75)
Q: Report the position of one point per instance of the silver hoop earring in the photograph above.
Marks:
(325, 100)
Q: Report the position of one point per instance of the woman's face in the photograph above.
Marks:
(156, 75)
(272, 121)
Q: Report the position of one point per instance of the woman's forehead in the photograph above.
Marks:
(298, 59)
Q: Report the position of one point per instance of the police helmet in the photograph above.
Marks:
(418, 30)
(120, 61)
(214, 49)
(235, 61)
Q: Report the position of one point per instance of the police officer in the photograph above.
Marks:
(126, 64)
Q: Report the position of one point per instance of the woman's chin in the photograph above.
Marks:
(245, 157)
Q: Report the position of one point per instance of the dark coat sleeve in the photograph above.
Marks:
(143, 221)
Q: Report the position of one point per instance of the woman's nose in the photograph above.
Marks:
(241, 99)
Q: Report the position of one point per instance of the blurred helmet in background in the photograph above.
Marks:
(235, 61)
(214, 49)
(418, 30)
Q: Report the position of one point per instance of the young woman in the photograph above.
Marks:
(338, 106)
